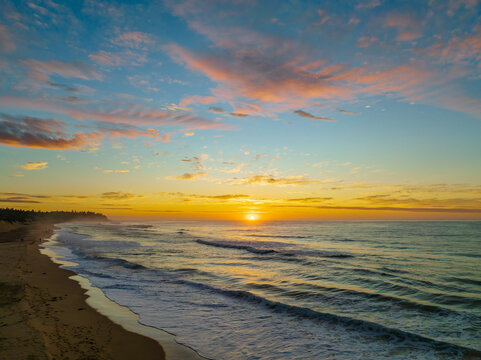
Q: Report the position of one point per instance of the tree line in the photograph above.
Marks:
(24, 216)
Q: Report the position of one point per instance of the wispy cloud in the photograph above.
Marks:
(6, 40)
(65, 69)
(36, 165)
(215, 109)
(280, 181)
(234, 170)
(126, 116)
(305, 114)
(197, 99)
(134, 39)
(119, 195)
(238, 115)
(187, 176)
(347, 112)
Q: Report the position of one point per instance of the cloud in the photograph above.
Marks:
(235, 170)
(401, 20)
(118, 195)
(215, 109)
(305, 114)
(459, 48)
(238, 115)
(197, 161)
(224, 197)
(38, 133)
(24, 131)
(62, 86)
(22, 195)
(120, 171)
(247, 76)
(366, 41)
(106, 58)
(309, 199)
(38, 165)
(269, 180)
(187, 176)
(6, 42)
(65, 69)
(189, 133)
(347, 112)
(19, 200)
(145, 116)
(258, 156)
(369, 4)
(197, 99)
(406, 209)
(408, 36)
(134, 39)
(127, 57)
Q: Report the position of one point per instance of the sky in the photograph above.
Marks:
(215, 109)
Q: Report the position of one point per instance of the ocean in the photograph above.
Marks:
(292, 290)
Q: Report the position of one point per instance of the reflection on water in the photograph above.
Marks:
(293, 290)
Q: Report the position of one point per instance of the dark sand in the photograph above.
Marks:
(43, 313)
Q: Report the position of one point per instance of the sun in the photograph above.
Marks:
(252, 217)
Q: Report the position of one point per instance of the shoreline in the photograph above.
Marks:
(45, 311)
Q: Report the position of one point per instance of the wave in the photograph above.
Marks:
(280, 236)
(228, 245)
(117, 262)
(262, 251)
(139, 226)
(380, 332)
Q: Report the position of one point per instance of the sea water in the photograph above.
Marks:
(305, 290)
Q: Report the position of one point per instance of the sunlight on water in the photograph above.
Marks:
(293, 290)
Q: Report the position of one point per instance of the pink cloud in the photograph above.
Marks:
(6, 42)
(400, 20)
(408, 36)
(145, 116)
(365, 41)
(459, 49)
(197, 99)
(64, 69)
(106, 58)
(127, 57)
(249, 78)
(134, 39)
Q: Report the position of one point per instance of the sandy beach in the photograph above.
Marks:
(44, 314)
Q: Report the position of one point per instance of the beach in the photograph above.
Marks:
(44, 314)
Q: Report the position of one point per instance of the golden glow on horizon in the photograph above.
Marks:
(252, 217)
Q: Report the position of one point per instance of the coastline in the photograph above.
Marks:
(44, 313)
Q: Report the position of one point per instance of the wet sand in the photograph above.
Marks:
(44, 314)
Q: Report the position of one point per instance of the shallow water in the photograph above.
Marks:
(343, 290)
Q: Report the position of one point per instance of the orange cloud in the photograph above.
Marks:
(187, 176)
(197, 99)
(38, 165)
(269, 180)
